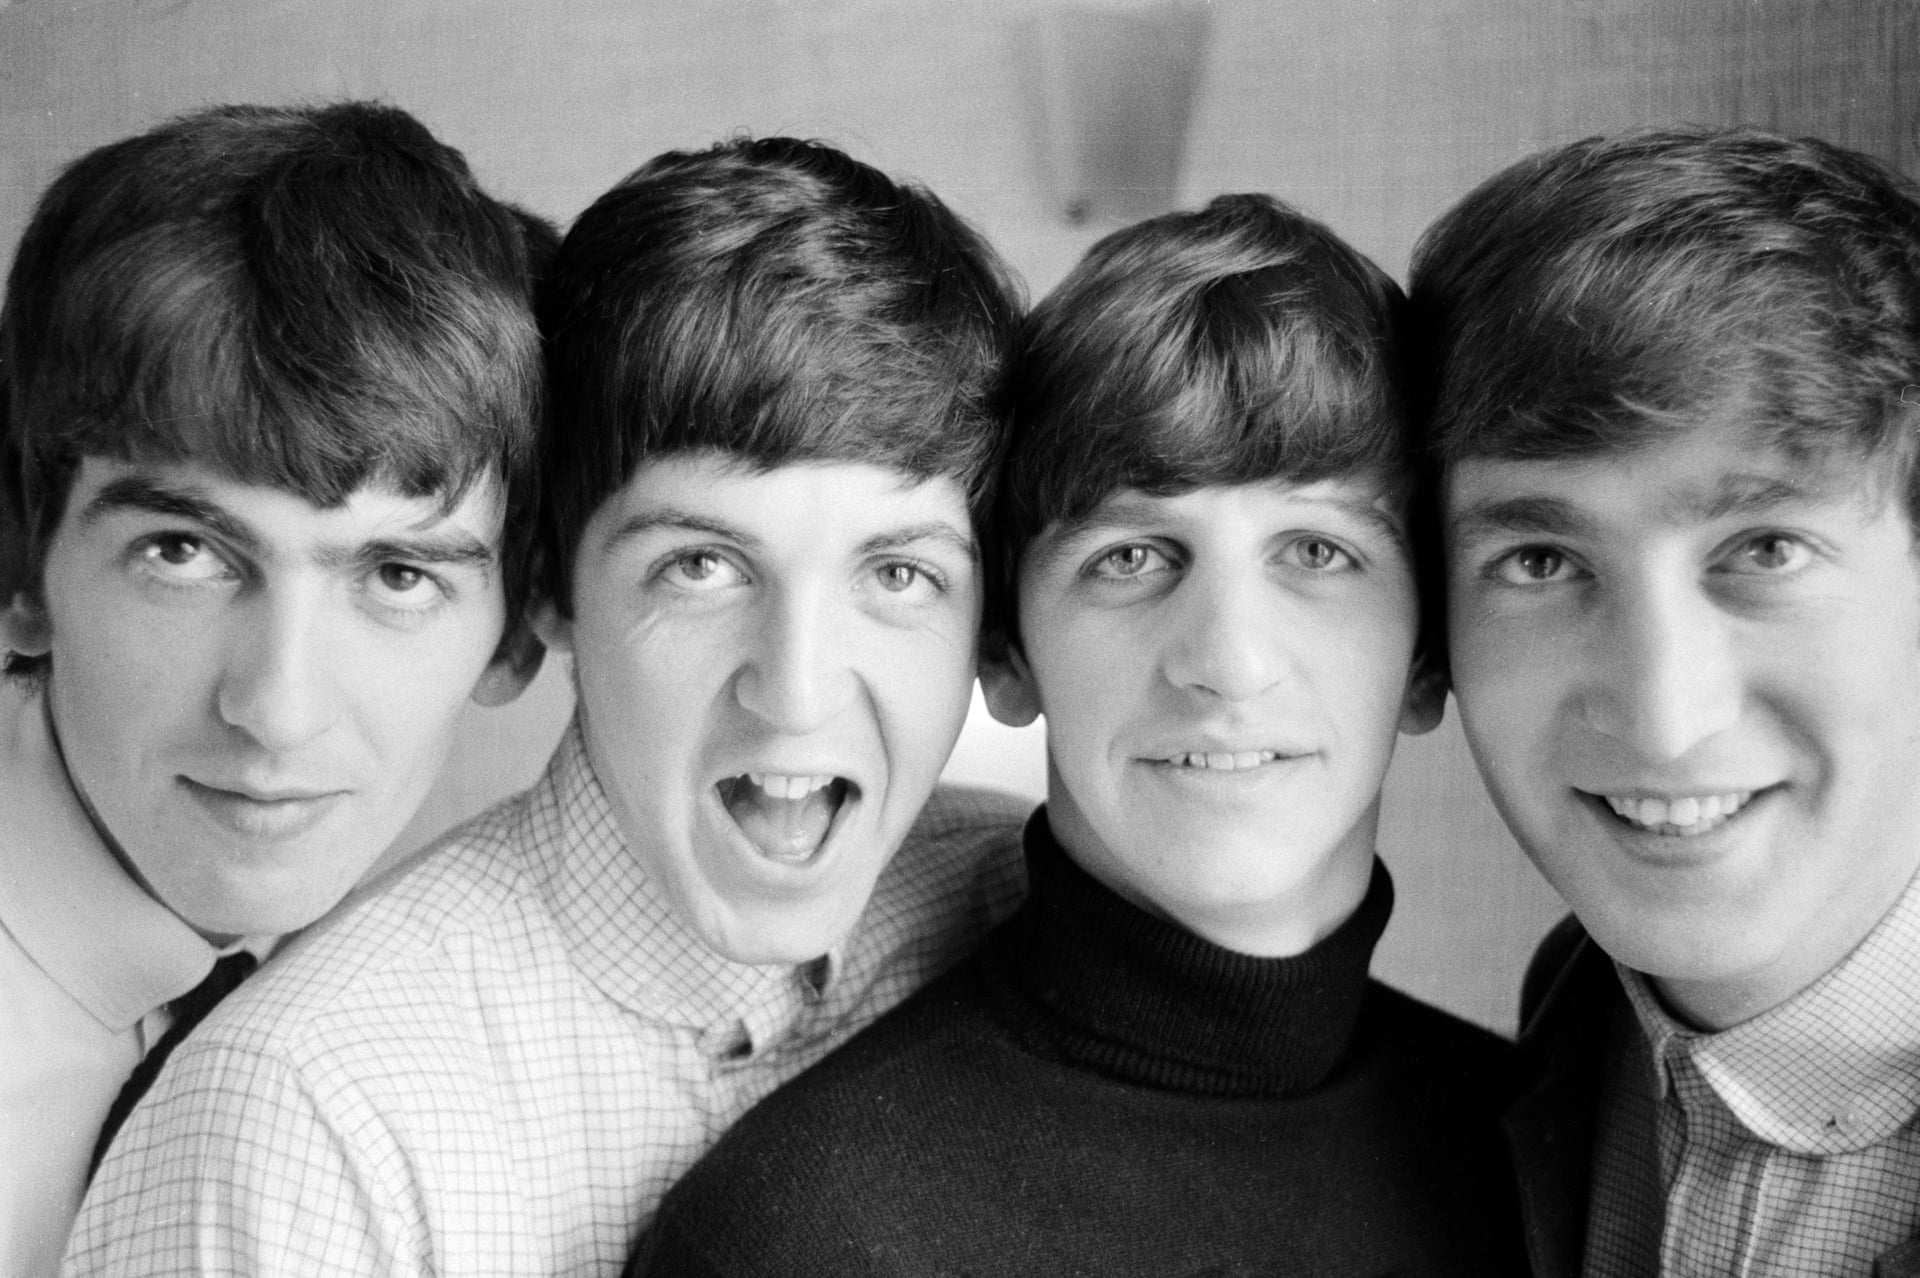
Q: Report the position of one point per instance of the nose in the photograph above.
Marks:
(278, 685)
(798, 662)
(1229, 641)
(1664, 675)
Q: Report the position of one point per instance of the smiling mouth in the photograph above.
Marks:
(1221, 760)
(1687, 816)
(786, 817)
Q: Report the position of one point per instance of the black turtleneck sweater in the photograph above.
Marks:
(1098, 1091)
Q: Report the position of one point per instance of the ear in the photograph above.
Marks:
(1426, 701)
(24, 628)
(1007, 682)
(550, 627)
(515, 662)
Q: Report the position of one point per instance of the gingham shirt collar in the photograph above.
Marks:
(114, 949)
(1835, 1068)
(626, 937)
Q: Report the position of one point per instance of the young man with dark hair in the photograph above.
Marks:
(776, 376)
(273, 388)
(1171, 1060)
(1674, 416)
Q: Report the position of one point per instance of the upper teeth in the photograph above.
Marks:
(1691, 814)
(1224, 761)
(780, 785)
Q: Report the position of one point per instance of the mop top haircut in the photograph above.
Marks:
(312, 299)
(777, 301)
(1238, 344)
(1604, 296)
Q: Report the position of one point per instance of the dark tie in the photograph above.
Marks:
(188, 1011)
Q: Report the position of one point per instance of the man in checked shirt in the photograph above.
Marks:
(1676, 417)
(775, 376)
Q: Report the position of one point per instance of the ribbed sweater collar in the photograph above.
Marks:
(1140, 998)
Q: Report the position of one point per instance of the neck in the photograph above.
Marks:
(1140, 997)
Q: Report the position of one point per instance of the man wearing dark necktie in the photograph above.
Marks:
(271, 390)
(187, 1011)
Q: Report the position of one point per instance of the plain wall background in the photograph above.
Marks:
(1373, 116)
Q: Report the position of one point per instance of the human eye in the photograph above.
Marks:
(1318, 554)
(1767, 553)
(405, 587)
(1130, 561)
(1532, 565)
(912, 580)
(181, 559)
(701, 570)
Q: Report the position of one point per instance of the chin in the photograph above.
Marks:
(777, 933)
(1681, 945)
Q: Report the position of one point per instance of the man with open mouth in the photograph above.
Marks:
(1676, 427)
(775, 382)
(273, 390)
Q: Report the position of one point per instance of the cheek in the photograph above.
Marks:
(924, 698)
(116, 697)
(1089, 698)
(630, 674)
(1360, 659)
(1497, 672)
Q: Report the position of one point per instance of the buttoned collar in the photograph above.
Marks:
(628, 939)
(66, 900)
(1833, 1069)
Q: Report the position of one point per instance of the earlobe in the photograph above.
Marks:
(1007, 683)
(1426, 701)
(515, 663)
(552, 629)
(24, 629)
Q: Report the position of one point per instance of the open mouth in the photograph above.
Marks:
(1684, 817)
(786, 817)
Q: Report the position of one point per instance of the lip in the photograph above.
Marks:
(263, 814)
(771, 869)
(1244, 768)
(1163, 749)
(1666, 846)
(788, 768)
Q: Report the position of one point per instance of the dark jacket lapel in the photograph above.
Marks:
(1566, 1005)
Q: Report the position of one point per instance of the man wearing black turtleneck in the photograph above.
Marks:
(1171, 1060)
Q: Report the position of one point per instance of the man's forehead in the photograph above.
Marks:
(721, 465)
(197, 490)
(1128, 505)
(1693, 479)
(693, 486)
(213, 475)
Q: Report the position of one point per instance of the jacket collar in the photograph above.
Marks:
(1572, 995)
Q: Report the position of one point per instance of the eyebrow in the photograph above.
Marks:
(447, 546)
(1732, 495)
(675, 519)
(144, 494)
(1742, 494)
(1132, 510)
(451, 549)
(678, 520)
(1542, 516)
(934, 530)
